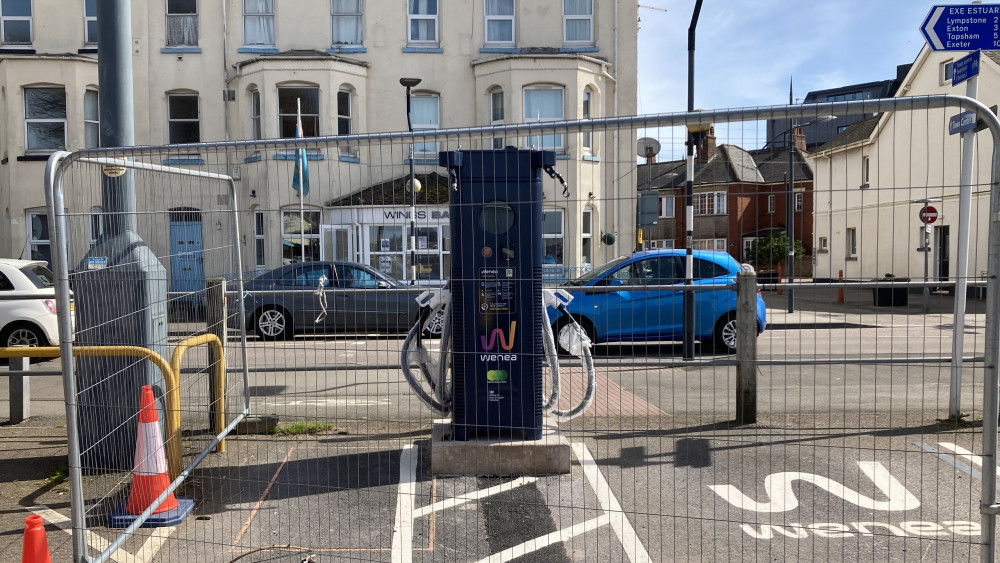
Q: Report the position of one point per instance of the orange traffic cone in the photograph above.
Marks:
(36, 547)
(150, 478)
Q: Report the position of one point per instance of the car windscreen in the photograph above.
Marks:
(598, 272)
(39, 275)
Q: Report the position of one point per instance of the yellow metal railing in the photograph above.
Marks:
(171, 377)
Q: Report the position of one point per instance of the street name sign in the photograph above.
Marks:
(968, 27)
(965, 121)
(965, 68)
(928, 214)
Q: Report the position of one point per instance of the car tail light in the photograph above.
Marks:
(50, 304)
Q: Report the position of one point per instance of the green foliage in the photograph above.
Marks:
(767, 252)
(301, 428)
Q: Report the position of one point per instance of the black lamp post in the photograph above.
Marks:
(412, 184)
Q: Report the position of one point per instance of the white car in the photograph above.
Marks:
(27, 304)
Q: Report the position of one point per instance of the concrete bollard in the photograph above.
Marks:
(20, 390)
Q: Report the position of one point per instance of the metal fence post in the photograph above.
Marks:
(20, 390)
(746, 348)
(215, 320)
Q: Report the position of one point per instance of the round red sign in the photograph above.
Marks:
(928, 214)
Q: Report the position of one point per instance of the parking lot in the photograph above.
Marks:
(846, 461)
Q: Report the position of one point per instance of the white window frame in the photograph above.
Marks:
(500, 18)
(171, 120)
(587, 136)
(799, 201)
(851, 250)
(88, 19)
(29, 121)
(589, 18)
(345, 112)
(312, 239)
(429, 147)
(710, 203)
(772, 204)
(947, 70)
(31, 27)
(260, 15)
(170, 17)
(256, 130)
(866, 164)
(539, 141)
(91, 126)
(292, 116)
(587, 236)
(824, 243)
(497, 114)
(260, 246)
(560, 235)
(717, 244)
(412, 18)
(358, 16)
(34, 243)
(667, 206)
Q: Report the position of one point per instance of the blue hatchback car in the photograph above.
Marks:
(634, 313)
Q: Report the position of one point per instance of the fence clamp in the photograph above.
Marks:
(991, 509)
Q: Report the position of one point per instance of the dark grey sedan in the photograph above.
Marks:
(290, 300)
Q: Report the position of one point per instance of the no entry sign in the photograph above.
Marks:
(928, 214)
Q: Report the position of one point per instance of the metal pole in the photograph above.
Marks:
(991, 383)
(302, 187)
(688, 347)
(746, 348)
(115, 109)
(927, 252)
(962, 269)
(790, 216)
(413, 198)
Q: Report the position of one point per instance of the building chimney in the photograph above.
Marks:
(706, 146)
(799, 138)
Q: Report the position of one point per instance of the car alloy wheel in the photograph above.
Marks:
(724, 339)
(272, 324)
(23, 336)
(434, 325)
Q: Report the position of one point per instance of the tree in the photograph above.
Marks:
(767, 252)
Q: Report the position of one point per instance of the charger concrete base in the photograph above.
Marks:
(499, 456)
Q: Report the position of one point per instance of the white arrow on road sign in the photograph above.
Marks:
(928, 29)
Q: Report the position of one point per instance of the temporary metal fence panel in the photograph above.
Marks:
(872, 432)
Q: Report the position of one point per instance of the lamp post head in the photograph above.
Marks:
(409, 82)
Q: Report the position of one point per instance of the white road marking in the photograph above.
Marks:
(402, 529)
(781, 497)
(534, 545)
(962, 452)
(146, 552)
(952, 460)
(472, 496)
(633, 548)
(331, 402)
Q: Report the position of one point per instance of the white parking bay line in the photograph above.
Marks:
(402, 529)
(952, 460)
(619, 522)
(472, 496)
(534, 545)
(962, 452)
(146, 552)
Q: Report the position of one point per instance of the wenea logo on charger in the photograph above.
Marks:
(496, 295)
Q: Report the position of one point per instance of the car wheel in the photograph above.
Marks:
(724, 335)
(434, 325)
(273, 324)
(563, 321)
(23, 334)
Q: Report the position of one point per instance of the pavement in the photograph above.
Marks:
(33, 468)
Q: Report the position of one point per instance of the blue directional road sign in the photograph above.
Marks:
(967, 27)
(965, 121)
(965, 68)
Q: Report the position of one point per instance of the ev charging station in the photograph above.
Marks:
(497, 343)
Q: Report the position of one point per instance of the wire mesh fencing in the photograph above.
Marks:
(872, 434)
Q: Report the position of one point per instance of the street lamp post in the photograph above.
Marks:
(927, 251)
(412, 184)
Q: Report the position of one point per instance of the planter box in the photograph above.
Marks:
(891, 296)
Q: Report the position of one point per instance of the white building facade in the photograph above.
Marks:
(236, 69)
(870, 182)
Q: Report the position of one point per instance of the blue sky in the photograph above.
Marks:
(747, 50)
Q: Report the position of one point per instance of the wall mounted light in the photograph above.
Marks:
(218, 225)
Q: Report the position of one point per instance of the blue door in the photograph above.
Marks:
(187, 273)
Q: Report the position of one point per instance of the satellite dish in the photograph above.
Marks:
(648, 148)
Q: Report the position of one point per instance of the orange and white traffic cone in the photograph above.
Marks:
(150, 478)
(36, 547)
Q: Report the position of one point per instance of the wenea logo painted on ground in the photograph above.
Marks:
(506, 342)
(781, 498)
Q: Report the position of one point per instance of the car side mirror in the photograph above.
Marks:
(617, 282)
(383, 285)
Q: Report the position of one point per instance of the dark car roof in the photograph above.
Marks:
(281, 270)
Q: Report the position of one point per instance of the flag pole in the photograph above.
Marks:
(302, 186)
